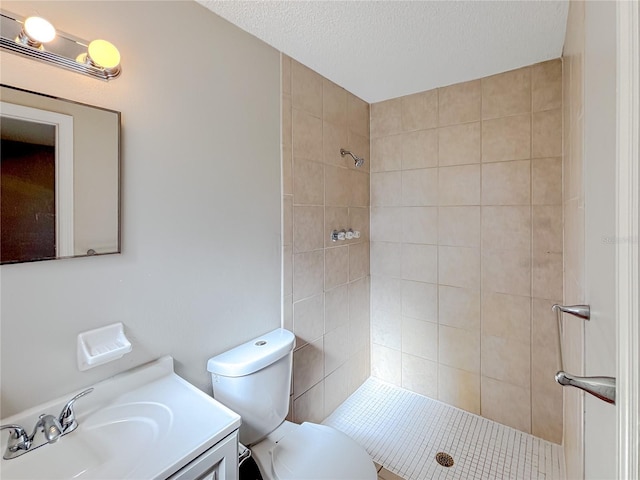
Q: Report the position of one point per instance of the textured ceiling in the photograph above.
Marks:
(385, 49)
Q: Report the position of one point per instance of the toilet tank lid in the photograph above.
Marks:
(253, 355)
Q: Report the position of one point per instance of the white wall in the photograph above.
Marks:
(600, 230)
(589, 233)
(200, 268)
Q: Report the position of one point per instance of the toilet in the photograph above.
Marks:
(254, 380)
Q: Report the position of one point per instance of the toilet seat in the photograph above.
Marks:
(314, 452)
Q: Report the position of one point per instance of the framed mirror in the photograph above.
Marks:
(60, 178)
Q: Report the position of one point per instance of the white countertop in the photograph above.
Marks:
(141, 424)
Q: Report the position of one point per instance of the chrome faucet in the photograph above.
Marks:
(603, 388)
(18, 442)
(52, 428)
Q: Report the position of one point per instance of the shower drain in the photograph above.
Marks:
(444, 459)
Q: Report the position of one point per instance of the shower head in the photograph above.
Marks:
(359, 160)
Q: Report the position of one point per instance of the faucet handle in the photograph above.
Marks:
(67, 417)
(18, 440)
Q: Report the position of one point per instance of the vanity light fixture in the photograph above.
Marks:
(102, 54)
(27, 37)
(36, 31)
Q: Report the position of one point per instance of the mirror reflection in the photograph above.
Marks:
(59, 191)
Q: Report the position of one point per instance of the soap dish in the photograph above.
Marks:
(102, 345)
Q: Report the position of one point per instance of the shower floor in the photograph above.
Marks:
(403, 432)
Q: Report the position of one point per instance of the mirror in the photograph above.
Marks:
(60, 178)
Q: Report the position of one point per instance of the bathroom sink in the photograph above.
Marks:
(144, 423)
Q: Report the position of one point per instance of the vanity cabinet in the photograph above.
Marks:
(220, 462)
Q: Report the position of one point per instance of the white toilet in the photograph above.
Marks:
(254, 380)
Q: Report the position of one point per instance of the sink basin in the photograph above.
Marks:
(145, 423)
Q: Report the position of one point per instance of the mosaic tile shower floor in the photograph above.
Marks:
(403, 432)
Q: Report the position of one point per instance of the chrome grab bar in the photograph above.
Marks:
(602, 387)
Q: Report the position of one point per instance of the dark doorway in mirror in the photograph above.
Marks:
(27, 202)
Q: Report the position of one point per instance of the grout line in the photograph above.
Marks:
(531, 252)
(480, 249)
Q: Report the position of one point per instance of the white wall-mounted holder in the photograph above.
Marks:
(102, 345)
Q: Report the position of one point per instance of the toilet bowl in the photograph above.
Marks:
(254, 380)
(310, 451)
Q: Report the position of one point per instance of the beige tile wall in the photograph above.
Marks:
(466, 245)
(574, 232)
(326, 284)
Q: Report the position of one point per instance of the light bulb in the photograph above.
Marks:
(103, 54)
(39, 30)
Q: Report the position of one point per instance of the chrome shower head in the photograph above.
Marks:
(359, 160)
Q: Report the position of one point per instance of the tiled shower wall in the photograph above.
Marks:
(466, 245)
(326, 284)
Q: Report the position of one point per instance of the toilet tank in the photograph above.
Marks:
(254, 380)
